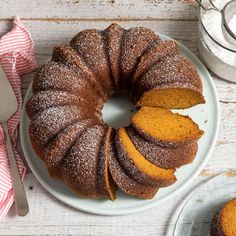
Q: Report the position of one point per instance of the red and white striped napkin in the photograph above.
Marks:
(16, 58)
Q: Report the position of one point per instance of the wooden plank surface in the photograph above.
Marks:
(94, 10)
(55, 22)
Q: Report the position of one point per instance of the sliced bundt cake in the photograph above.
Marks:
(165, 127)
(106, 185)
(66, 127)
(172, 83)
(124, 182)
(137, 166)
(159, 155)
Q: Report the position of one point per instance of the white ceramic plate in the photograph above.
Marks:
(207, 116)
(200, 206)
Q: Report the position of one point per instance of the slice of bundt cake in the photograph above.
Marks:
(91, 47)
(106, 185)
(164, 127)
(135, 42)
(124, 182)
(224, 222)
(156, 52)
(79, 168)
(172, 83)
(138, 167)
(114, 36)
(164, 157)
(68, 56)
(59, 146)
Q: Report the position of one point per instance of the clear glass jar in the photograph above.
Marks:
(219, 56)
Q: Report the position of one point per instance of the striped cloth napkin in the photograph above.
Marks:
(16, 58)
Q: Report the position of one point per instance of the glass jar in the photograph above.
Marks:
(218, 54)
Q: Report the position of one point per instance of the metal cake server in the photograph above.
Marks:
(8, 106)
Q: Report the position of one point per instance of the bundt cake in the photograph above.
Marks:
(67, 130)
(224, 221)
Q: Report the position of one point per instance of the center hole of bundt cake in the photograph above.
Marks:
(117, 111)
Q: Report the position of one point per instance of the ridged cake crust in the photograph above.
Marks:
(157, 51)
(66, 127)
(175, 71)
(79, 168)
(90, 45)
(68, 56)
(135, 42)
(45, 126)
(162, 156)
(59, 147)
(114, 37)
(45, 99)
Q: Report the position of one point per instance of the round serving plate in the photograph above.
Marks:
(207, 116)
(203, 203)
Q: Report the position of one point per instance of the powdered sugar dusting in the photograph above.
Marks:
(51, 121)
(171, 69)
(80, 166)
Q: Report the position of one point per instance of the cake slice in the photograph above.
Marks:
(79, 168)
(164, 157)
(124, 182)
(172, 83)
(114, 36)
(68, 56)
(59, 147)
(91, 47)
(156, 52)
(135, 42)
(138, 167)
(106, 185)
(164, 127)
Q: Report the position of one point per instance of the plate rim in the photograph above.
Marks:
(149, 204)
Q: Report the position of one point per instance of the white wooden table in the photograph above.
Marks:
(54, 22)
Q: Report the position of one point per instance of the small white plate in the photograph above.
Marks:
(207, 116)
(196, 215)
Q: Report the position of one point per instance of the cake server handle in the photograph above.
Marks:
(22, 207)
